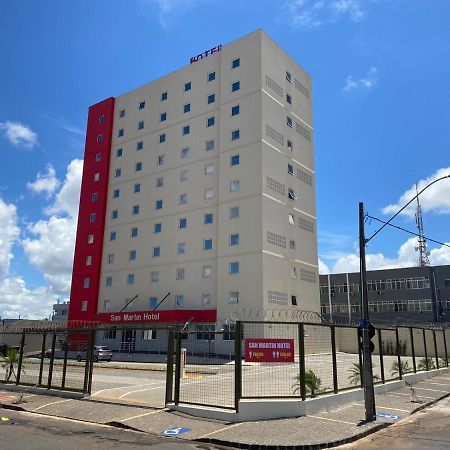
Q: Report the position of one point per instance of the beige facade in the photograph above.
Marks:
(256, 162)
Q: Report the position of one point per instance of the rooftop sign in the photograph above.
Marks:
(206, 53)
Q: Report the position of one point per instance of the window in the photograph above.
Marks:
(184, 175)
(207, 244)
(210, 121)
(101, 120)
(186, 130)
(116, 193)
(234, 267)
(119, 153)
(163, 96)
(118, 173)
(109, 334)
(181, 248)
(161, 159)
(234, 160)
(209, 145)
(206, 299)
(290, 169)
(235, 110)
(114, 214)
(288, 76)
(130, 278)
(112, 236)
(233, 297)
(100, 138)
(235, 63)
(183, 199)
(135, 210)
(206, 271)
(139, 145)
(154, 276)
(182, 223)
(184, 152)
(187, 86)
(88, 260)
(293, 300)
(291, 244)
(141, 105)
(110, 258)
(289, 121)
(108, 281)
(132, 255)
(137, 188)
(291, 194)
(234, 239)
(86, 283)
(141, 125)
(179, 300)
(289, 145)
(92, 218)
(84, 305)
(293, 272)
(163, 117)
(235, 86)
(234, 212)
(211, 98)
(180, 274)
(138, 167)
(162, 138)
(209, 193)
(90, 239)
(96, 176)
(289, 99)
(208, 218)
(159, 181)
(234, 185)
(94, 197)
(98, 157)
(186, 107)
(150, 335)
(122, 113)
(209, 169)
(121, 132)
(235, 135)
(157, 228)
(156, 251)
(134, 232)
(211, 76)
(291, 219)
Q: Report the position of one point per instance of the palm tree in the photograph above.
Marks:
(395, 368)
(313, 383)
(443, 362)
(9, 362)
(355, 374)
(426, 364)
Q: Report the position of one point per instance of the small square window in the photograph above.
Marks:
(157, 228)
(163, 96)
(94, 197)
(291, 244)
(184, 152)
(234, 267)
(291, 194)
(139, 145)
(211, 98)
(132, 255)
(211, 76)
(206, 299)
(289, 145)
(184, 175)
(153, 304)
(163, 117)
(289, 121)
(108, 281)
(210, 122)
(234, 160)
(235, 63)
(187, 86)
(293, 272)
(234, 239)
(98, 157)
(234, 212)
(293, 300)
(186, 130)
(88, 260)
(116, 193)
(134, 232)
(119, 153)
(290, 169)
(210, 145)
(180, 274)
(96, 176)
(179, 300)
(135, 210)
(291, 219)
(209, 169)
(186, 107)
(141, 105)
(161, 159)
(162, 138)
(137, 188)
(235, 86)
(121, 132)
(138, 167)
(130, 278)
(234, 185)
(141, 125)
(181, 248)
(182, 223)
(112, 236)
(158, 204)
(289, 99)
(114, 214)
(156, 251)
(154, 276)
(90, 239)
(183, 199)
(101, 119)
(100, 138)
(122, 113)
(235, 110)
(209, 194)
(208, 218)
(288, 76)
(206, 271)
(233, 297)
(111, 258)
(92, 218)
(86, 283)
(235, 135)
(159, 181)
(207, 244)
(118, 173)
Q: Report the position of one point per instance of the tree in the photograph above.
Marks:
(313, 383)
(395, 368)
(426, 364)
(355, 374)
(9, 362)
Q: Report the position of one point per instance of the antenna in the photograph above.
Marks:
(422, 247)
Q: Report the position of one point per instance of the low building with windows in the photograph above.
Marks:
(413, 294)
(198, 191)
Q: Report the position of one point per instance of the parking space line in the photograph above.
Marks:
(388, 408)
(427, 389)
(141, 415)
(122, 387)
(399, 393)
(331, 420)
(142, 390)
(52, 403)
(222, 429)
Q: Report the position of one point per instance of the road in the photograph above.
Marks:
(22, 430)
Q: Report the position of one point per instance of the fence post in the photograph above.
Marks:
(41, 366)
(169, 369)
(399, 359)
(91, 360)
(361, 371)
(52, 359)
(87, 366)
(425, 348)
(177, 369)
(436, 354)
(333, 355)
(413, 350)
(445, 347)
(19, 365)
(301, 359)
(380, 352)
(237, 364)
(66, 346)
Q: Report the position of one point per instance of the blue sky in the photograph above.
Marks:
(381, 76)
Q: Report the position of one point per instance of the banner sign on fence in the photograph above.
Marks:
(269, 350)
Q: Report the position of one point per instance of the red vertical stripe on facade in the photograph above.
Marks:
(93, 199)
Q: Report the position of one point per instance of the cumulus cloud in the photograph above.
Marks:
(323, 268)
(368, 81)
(45, 183)
(9, 233)
(434, 199)
(18, 134)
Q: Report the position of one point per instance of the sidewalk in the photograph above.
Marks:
(321, 430)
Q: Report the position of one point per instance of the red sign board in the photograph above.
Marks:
(269, 350)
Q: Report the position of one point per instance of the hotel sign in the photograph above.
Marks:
(269, 350)
(206, 53)
(163, 316)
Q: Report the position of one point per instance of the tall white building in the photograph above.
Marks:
(200, 184)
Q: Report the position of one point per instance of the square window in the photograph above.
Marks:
(179, 300)
(183, 223)
(92, 218)
(289, 99)
(135, 210)
(209, 169)
(100, 138)
(121, 132)
(210, 145)
(181, 248)
(207, 244)
(94, 197)
(116, 193)
(141, 105)
(101, 119)
(293, 300)
(159, 181)
(163, 96)
(235, 86)
(84, 305)
(88, 260)
(137, 188)
(86, 283)
(206, 271)
(96, 176)
(130, 278)
(235, 110)
(211, 76)
(208, 218)
(184, 175)
(112, 236)
(156, 251)
(235, 135)
(211, 98)
(291, 194)
(139, 145)
(291, 244)
(187, 86)
(234, 267)
(154, 276)
(289, 145)
(234, 160)
(293, 272)
(157, 228)
(134, 232)
(163, 117)
(289, 121)
(122, 113)
(162, 138)
(210, 122)
(184, 152)
(153, 304)
(235, 63)
(108, 281)
(141, 125)
(234, 212)
(234, 185)
(209, 193)
(119, 153)
(288, 76)
(138, 167)
(98, 157)
(118, 173)
(234, 239)
(183, 199)
(290, 169)
(186, 107)
(114, 214)
(161, 159)
(291, 219)
(233, 297)
(206, 299)
(110, 258)
(186, 130)
(158, 204)
(90, 239)
(132, 255)
(180, 274)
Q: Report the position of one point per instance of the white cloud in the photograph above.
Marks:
(9, 233)
(368, 81)
(436, 198)
(18, 134)
(46, 183)
(323, 268)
